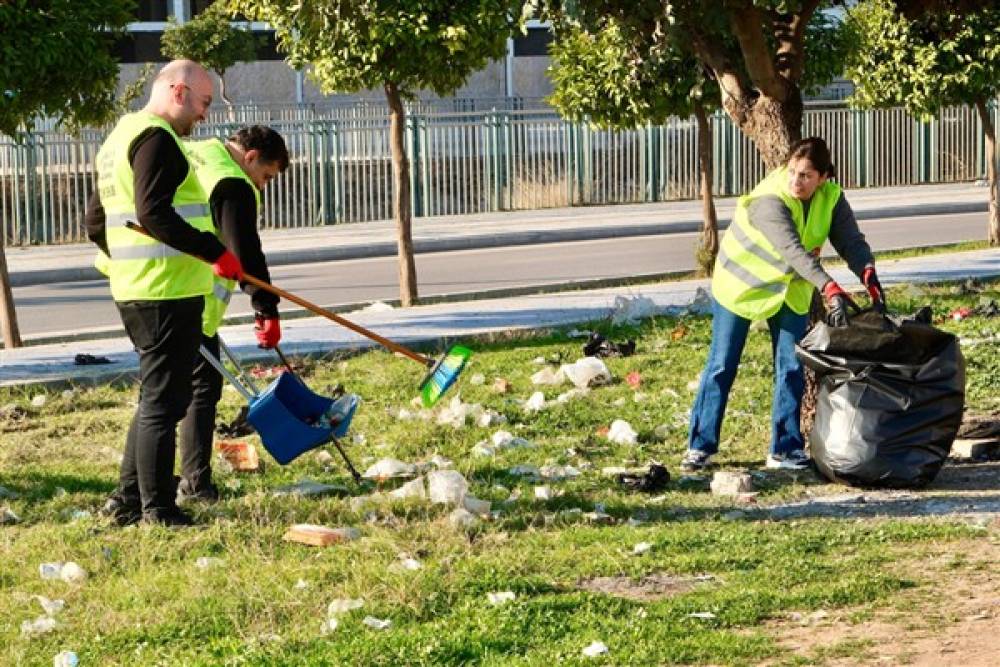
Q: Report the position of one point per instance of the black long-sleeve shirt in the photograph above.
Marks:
(770, 215)
(234, 210)
(159, 167)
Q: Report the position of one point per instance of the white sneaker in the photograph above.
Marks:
(695, 460)
(797, 460)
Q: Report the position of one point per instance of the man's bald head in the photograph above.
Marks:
(182, 93)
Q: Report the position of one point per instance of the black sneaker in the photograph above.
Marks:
(171, 518)
(696, 460)
(208, 493)
(122, 511)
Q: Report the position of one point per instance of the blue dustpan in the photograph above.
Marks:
(290, 418)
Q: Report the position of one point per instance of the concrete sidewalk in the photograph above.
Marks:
(44, 264)
(433, 325)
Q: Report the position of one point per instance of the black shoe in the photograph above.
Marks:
(206, 493)
(171, 518)
(122, 511)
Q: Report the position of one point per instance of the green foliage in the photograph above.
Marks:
(351, 45)
(612, 78)
(934, 60)
(626, 64)
(210, 39)
(55, 60)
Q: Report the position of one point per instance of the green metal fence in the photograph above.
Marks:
(476, 161)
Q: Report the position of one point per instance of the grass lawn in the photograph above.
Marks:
(146, 600)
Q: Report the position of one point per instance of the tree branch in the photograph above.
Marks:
(790, 34)
(714, 58)
(746, 22)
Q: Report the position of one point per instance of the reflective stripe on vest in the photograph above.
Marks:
(221, 292)
(142, 268)
(750, 278)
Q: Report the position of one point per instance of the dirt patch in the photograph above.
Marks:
(950, 619)
(652, 587)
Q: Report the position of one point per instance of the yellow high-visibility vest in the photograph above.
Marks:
(142, 268)
(213, 163)
(750, 277)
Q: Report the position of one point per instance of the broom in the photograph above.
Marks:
(442, 372)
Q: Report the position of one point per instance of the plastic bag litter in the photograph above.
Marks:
(535, 403)
(207, 562)
(557, 472)
(587, 372)
(446, 486)
(501, 597)
(890, 400)
(654, 478)
(599, 346)
(548, 376)
(65, 659)
(595, 649)
(477, 379)
(412, 489)
(389, 468)
(576, 392)
(629, 310)
(343, 606)
(39, 626)
(507, 440)
(50, 607)
(621, 432)
(7, 517)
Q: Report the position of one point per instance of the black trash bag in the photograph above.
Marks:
(654, 479)
(890, 399)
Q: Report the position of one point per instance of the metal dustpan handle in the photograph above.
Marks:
(236, 362)
(217, 365)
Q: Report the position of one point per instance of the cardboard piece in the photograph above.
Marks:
(319, 536)
(242, 456)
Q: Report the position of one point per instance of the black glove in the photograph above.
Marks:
(837, 304)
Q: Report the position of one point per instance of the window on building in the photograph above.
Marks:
(153, 10)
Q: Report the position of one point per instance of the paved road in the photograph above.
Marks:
(78, 306)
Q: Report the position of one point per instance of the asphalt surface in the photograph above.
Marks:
(85, 307)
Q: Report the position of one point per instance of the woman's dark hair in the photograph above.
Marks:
(816, 151)
(266, 141)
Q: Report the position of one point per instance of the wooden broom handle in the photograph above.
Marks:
(357, 328)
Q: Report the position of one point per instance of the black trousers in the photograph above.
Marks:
(198, 426)
(166, 334)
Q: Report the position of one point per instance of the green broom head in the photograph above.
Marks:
(443, 374)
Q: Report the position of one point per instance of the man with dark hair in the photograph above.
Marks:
(232, 174)
(158, 285)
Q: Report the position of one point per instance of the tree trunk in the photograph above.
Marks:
(225, 98)
(709, 248)
(772, 125)
(401, 201)
(8, 318)
(993, 232)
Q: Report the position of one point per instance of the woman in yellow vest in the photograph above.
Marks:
(766, 269)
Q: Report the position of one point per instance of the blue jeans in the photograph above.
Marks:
(729, 335)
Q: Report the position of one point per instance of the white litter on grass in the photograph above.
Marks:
(641, 548)
(587, 372)
(507, 440)
(490, 418)
(328, 626)
(50, 607)
(49, 570)
(476, 506)
(439, 461)
(446, 486)
(483, 448)
(402, 414)
(412, 489)
(39, 401)
(343, 606)
(500, 598)
(547, 376)
(456, 413)
(535, 403)
(65, 659)
(477, 379)
(324, 458)
(622, 433)
(596, 649)
(577, 333)
(206, 562)
(629, 310)
(376, 307)
(377, 623)
(8, 518)
(39, 626)
(538, 361)
(619, 402)
(694, 384)
(576, 392)
(411, 564)
(705, 615)
(557, 472)
(301, 585)
(72, 573)
(543, 493)
(389, 468)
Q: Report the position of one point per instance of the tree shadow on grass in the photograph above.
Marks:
(34, 486)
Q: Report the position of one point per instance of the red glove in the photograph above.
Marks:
(870, 280)
(268, 331)
(228, 266)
